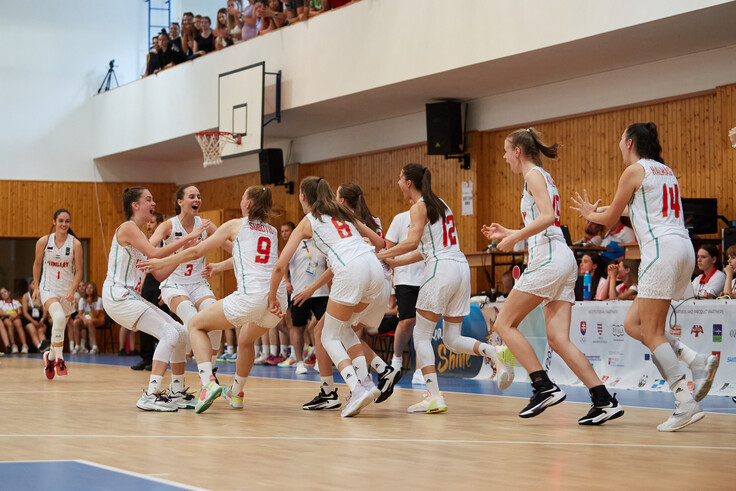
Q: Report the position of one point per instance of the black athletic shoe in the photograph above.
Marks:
(44, 345)
(542, 399)
(600, 413)
(734, 399)
(141, 365)
(386, 382)
(323, 401)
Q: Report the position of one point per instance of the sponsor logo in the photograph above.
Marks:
(647, 356)
(583, 327)
(731, 359)
(548, 359)
(676, 330)
(599, 328)
(593, 358)
(725, 386)
(615, 382)
(658, 383)
(717, 333)
(696, 330)
(604, 379)
(615, 361)
(178, 234)
(732, 333)
(618, 332)
(68, 251)
(643, 380)
(690, 386)
(717, 353)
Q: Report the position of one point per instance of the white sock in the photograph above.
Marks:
(350, 377)
(488, 351)
(205, 372)
(58, 352)
(328, 384)
(397, 362)
(71, 345)
(284, 350)
(230, 349)
(84, 343)
(238, 384)
(378, 364)
(361, 367)
(154, 384)
(273, 349)
(430, 379)
(177, 383)
(681, 392)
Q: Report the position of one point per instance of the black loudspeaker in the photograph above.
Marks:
(444, 128)
(729, 239)
(272, 166)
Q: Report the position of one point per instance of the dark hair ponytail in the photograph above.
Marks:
(353, 196)
(531, 144)
(646, 140)
(422, 179)
(321, 200)
(56, 215)
(262, 199)
(713, 252)
(180, 195)
(130, 196)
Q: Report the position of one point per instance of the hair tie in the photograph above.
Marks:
(319, 179)
(263, 189)
(529, 130)
(424, 171)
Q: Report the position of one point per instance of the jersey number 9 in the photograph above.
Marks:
(264, 250)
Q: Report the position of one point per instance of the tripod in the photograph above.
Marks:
(108, 78)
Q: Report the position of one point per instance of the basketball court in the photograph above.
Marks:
(84, 430)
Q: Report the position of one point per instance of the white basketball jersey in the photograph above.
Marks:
(656, 208)
(539, 244)
(58, 265)
(339, 241)
(190, 272)
(255, 251)
(122, 266)
(439, 239)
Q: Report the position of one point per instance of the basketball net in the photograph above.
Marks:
(213, 142)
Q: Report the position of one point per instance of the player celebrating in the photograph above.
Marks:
(59, 258)
(651, 192)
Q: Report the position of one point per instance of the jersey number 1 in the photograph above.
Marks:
(264, 250)
(674, 200)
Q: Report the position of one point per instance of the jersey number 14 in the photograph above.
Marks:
(674, 200)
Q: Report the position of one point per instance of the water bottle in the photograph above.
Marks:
(587, 282)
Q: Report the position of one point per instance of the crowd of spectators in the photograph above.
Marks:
(197, 35)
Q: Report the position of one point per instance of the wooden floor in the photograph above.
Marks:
(274, 444)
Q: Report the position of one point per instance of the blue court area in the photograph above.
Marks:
(77, 475)
(636, 398)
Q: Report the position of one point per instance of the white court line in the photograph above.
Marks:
(147, 477)
(70, 391)
(382, 440)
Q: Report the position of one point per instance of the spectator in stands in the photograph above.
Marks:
(627, 271)
(174, 35)
(168, 54)
(10, 310)
(335, 3)
(296, 10)
(187, 34)
(233, 12)
(248, 21)
(197, 25)
(223, 37)
(507, 281)
(204, 42)
(732, 136)
(152, 58)
(317, 7)
(620, 233)
(33, 316)
(272, 16)
(91, 317)
(729, 285)
(710, 283)
(592, 263)
(7, 345)
(592, 234)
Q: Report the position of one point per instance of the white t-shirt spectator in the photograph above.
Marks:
(622, 235)
(398, 231)
(10, 307)
(88, 308)
(712, 283)
(306, 265)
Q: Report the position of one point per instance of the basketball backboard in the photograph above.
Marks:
(240, 108)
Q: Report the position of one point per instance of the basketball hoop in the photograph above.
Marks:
(212, 143)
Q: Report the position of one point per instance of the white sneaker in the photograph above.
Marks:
(83, 350)
(369, 386)
(24, 350)
(183, 399)
(261, 358)
(704, 371)
(429, 405)
(685, 414)
(94, 351)
(505, 368)
(316, 365)
(417, 378)
(301, 368)
(156, 402)
(74, 350)
(14, 350)
(358, 399)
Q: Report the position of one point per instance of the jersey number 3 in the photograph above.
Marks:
(264, 250)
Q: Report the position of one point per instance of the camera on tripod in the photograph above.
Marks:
(107, 81)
